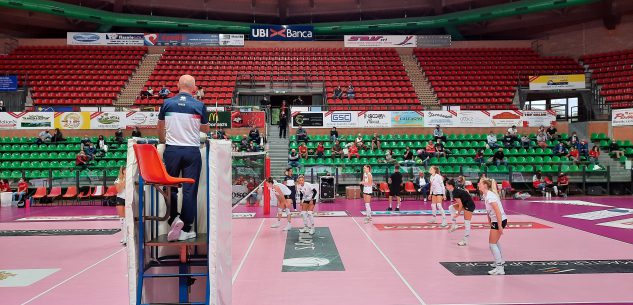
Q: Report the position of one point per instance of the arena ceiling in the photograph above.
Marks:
(24, 23)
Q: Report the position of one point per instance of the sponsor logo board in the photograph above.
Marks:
(305, 252)
(557, 82)
(601, 214)
(105, 39)
(475, 226)
(23, 277)
(380, 41)
(543, 267)
(282, 32)
(622, 117)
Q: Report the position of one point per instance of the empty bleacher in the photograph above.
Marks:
(613, 72)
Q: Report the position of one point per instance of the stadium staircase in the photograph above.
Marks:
(278, 152)
(136, 83)
(421, 85)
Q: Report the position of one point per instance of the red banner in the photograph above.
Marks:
(248, 119)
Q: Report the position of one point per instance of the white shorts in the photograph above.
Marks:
(368, 190)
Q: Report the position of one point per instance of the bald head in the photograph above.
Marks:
(187, 83)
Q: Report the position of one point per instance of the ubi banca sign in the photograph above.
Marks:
(282, 32)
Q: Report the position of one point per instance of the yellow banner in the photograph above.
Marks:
(72, 120)
(554, 82)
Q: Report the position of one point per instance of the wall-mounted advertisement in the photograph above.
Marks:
(380, 41)
(407, 119)
(105, 39)
(341, 119)
(538, 118)
(107, 120)
(557, 82)
(232, 40)
(622, 117)
(141, 119)
(282, 32)
(374, 119)
(506, 118)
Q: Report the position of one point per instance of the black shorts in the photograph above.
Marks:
(469, 208)
(120, 201)
(438, 195)
(495, 225)
(367, 193)
(308, 202)
(394, 192)
(287, 196)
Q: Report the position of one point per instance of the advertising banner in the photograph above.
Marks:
(538, 118)
(220, 119)
(141, 119)
(447, 118)
(105, 39)
(474, 119)
(622, 117)
(557, 82)
(282, 32)
(307, 119)
(341, 119)
(107, 120)
(407, 119)
(72, 120)
(380, 41)
(8, 121)
(9, 83)
(179, 39)
(427, 41)
(34, 120)
(506, 118)
(232, 40)
(374, 119)
(240, 119)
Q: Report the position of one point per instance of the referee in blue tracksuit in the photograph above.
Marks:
(180, 121)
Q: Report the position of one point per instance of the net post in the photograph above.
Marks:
(265, 192)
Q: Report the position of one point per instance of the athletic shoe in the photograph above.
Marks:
(368, 219)
(397, 209)
(275, 225)
(186, 235)
(288, 227)
(311, 231)
(389, 209)
(444, 224)
(499, 270)
(424, 199)
(453, 228)
(463, 242)
(304, 230)
(432, 220)
(176, 228)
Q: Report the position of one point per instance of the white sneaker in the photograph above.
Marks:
(424, 199)
(453, 228)
(304, 230)
(288, 227)
(463, 242)
(368, 219)
(499, 270)
(444, 224)
(186, 235)
(311, 231)
(275, 225)
(432, 220)
(175, 230)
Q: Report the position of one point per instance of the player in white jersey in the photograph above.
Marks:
(281, 193)
(368, 190)
(498, 221)
(307, 195)
(437, 194)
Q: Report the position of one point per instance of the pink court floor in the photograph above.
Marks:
(577, 250)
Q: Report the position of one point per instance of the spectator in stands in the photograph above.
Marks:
(594, 154)
(58, 136)
(303, 151)
(560, 150)
(422, 184)
(293, 158)
(338, 93)
(563, 184)
(244, 143)
(102, 147)
(389, 159)
(82, 160)
(352, 150)
(508, 140)
(542, 129)
(538, 182)
(90, 151)
(525, 141)
(84, 141)
(4, 185)
(375, 142)
(44, 137)
(147, 93)
(359, 142)
(164, 92)
(234, 147)
(574, 155)
(583, 148)
(422, 157)
(479, 157)
(118, 136)
(541, 139)
(350, 91)
(513, 132)
(408, 156)
(200, 93)
(438, 134)
(23, 188)
(614, 148)
(302, 134)
(499, 157)
(573, 140)
(283, 125)
(320, 150)
(253, 135)
(2, 108)
(221, 134)
(337, 150)
(297, 101)
(550, 185)
(136, 133)
(439, 150)
(491, 139)
(334, 134)
(265, 104)
(253, 147)
(430, 148)
(551, 132)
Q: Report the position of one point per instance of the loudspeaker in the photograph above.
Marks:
(326, 186)
(596, 190)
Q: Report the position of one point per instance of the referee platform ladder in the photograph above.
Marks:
(152, 173)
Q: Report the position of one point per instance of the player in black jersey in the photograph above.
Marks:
(463, 201)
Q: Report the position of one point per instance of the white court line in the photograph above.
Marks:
(248, 251)
(390, 263)
(74, 276)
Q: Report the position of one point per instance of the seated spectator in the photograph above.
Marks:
(4, 185)
(550, 185)
(389, 158)
(438, 134)
(594, 154)
(234, 147)
(375, 141)
(499, 157)
(253, 147)
(573, 140)
(293, 159)
(552, 132)
(2, 107)
(563, 184)
(254, 136)
(297, 101)
(422, 184)
(337, 150)
(90, 151)
(320, 150)
(303, 151)
(118, 136)
(538, 182)
(508, 140)
(221, 134)
(439, 150)
(430, 148)
(560, 150)
(200, 94)
(147, 93)
(491, 140)
(244, 143)
(84, 141)
(136, 133)
(542, 129)
(479, 157)
(574, 155)
(541, 140)
(583, 148)
(302, 134)
(513, 132)
(23, 188)
(614, 148)
(334, 134)
(44, 137)
(164, 92)
(350, 92)
(58, 136)
(408, 156)
(525, 142)
(352, 150)
(338, 93)
(359, 142)
(82, 160)
(422, 157)
(102, 147)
